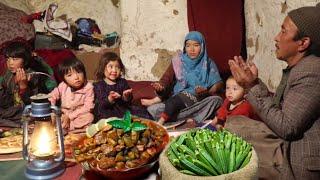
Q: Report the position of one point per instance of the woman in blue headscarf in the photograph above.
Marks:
(193, 76)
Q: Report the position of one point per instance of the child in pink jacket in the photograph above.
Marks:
(76, 95)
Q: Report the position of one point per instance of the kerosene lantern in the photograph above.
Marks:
(44, 149)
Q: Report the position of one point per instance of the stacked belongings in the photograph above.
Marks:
(87, 32)
(57, 30)
(112, 40)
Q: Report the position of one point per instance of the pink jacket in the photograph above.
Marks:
(77, 105)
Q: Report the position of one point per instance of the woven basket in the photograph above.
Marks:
(168, 171)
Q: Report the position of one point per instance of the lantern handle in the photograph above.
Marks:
(25, 139)
(57, 112)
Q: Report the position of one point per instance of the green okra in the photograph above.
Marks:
(228, 141)
(242, 155)
(173, 147)
(204, 166)
(190, 142)
(226, 153)
(184, 171)
(201, 158)
(173, 155)
(181, 139)
(197, 138)
(238, 144)
(208, 147)
(232, 160)
(208, 160)
(221, 158)
(246, 160)
(191, 167)
(173, 159)
(221, 136)
(185, 150)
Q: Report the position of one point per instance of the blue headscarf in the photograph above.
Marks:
(190, 73)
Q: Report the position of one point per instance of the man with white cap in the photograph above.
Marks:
(288, 140)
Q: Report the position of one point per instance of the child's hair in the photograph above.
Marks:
(72, 63)
(19, 50)
(231, 77)
(105, 59)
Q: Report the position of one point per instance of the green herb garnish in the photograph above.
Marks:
(126, 124)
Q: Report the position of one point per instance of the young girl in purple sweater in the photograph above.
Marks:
(112, 92)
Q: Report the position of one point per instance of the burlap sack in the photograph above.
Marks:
(168, 171)
(268, 146)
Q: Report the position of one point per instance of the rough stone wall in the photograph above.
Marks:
(263, 22)
(18, 4)
(152, 31)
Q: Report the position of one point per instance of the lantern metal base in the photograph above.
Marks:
(44, 169)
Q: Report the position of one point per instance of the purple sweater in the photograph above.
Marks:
(104, 109)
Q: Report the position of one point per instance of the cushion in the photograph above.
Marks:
(141, 89)
(11, 27)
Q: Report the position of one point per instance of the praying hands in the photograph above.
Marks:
(245, 73)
